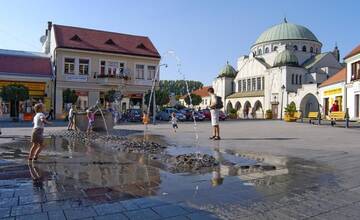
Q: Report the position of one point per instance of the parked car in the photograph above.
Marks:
(207, 114)
(187, 112)
(134, 115)
(199, 116)
(165, 115)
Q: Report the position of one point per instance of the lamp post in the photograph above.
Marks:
(282, 101)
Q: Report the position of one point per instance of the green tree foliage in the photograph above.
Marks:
(196, 99)
(162, 98)
(178, 87)
(14, 93)
(69, 96)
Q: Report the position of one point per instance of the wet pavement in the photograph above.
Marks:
(77, 179)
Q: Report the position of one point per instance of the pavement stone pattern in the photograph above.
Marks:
(329, 191)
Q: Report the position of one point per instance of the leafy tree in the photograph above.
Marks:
(196, 99)
(14, 93)
(162, 98)
(110, 96)
(69, 96)
(178, 87)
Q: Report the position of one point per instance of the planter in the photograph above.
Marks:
(289, 117)
(268, 115)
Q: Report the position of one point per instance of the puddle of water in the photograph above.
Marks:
(94, 170)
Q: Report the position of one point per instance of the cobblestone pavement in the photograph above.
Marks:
(316, 176)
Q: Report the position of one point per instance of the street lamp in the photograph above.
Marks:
(282, 100)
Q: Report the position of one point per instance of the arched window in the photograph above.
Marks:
(275, 48)
(300, 80)
(267, 50)
(259, 52)
(304, 48)
(292, 79)
(311, 50)
(297, 79)
(295, 47)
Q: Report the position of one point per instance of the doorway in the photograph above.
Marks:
(326, 106)
(274, 110)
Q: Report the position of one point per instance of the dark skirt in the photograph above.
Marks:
(37, 136)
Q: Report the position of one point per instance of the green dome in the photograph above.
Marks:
(227, 71)
(286, 31)
(286, 58)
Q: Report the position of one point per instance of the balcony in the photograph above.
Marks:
(111, 79)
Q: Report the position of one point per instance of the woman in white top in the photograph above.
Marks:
(37, 138)
(214, 115)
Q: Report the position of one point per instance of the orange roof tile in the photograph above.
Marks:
(355, 51)
(203, 92)
(336, 78)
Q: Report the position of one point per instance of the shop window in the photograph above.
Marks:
(151, 72)
(69, 66)
(139, 70)
(84, 67)
(355, 71)
(304, 48)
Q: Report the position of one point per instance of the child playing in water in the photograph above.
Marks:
(91, 120)
(145, 119)
(37, 138)
(174, 121)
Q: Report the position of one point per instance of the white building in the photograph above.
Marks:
(285, 65)
(352, 61)
(205, 98)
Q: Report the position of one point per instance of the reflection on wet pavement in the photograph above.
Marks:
(81, 174)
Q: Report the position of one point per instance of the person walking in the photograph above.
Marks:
(50, 115)
(37, 138)
(215, 105)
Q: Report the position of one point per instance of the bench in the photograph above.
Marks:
(297, 115)
(313, 116)
(337, 116)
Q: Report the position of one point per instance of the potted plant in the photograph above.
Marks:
(268, 114)
(232, 113)
(289, 112)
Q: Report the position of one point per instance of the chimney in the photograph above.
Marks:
(336, 52)
(49, 25)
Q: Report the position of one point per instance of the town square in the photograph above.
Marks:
(179, 110)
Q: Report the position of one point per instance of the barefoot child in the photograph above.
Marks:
(37, 134)
(91, 120)
(145, 119)
(174, 121)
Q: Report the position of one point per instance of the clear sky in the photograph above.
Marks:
(203, 33)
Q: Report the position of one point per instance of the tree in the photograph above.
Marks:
(14, 93)
(178, 87)
(69, 96)
(196, 99)
(110, 96)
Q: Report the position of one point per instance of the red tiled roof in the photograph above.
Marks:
(355, 51)
(336, 78)
(25, 65)
(97, 40)
(202, 92)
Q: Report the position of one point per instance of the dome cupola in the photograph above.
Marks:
(286, 31)
(228, 71)
(286, 58)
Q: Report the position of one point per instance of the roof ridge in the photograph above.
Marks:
(91, 29)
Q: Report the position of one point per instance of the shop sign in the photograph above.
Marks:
(333, 92)
(136, 95)
(76, 78)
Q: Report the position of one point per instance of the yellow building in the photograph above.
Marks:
(30, 69)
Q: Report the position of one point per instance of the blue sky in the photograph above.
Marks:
(203, 33)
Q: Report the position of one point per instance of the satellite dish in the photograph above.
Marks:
(42, 39)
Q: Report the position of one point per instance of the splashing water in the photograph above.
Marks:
(102, 115)
(178, 65)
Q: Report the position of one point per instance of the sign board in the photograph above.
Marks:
(76, 78)
(333, 92)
